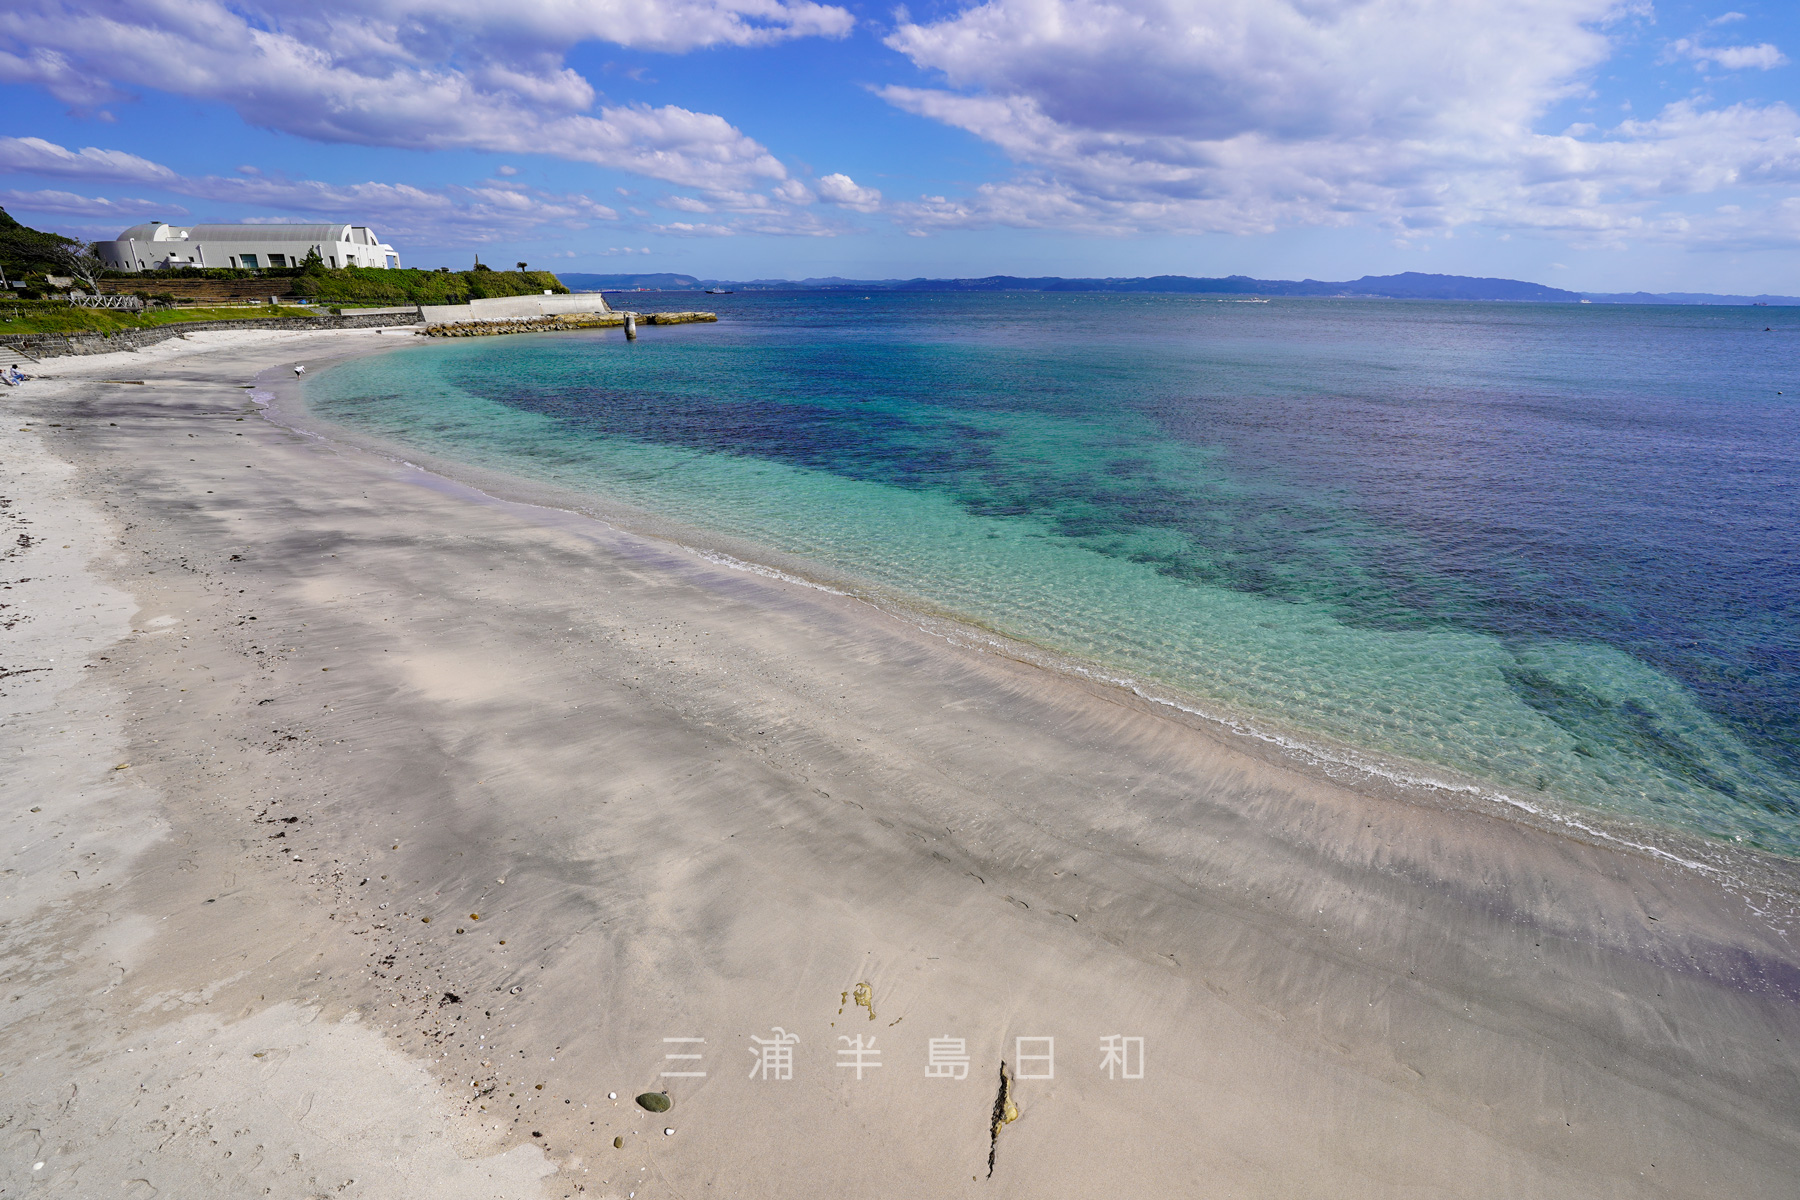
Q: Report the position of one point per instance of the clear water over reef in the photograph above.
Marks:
(1553, 547)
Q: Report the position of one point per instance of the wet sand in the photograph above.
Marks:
(385, 828)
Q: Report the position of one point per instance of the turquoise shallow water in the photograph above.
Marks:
(1554, 548)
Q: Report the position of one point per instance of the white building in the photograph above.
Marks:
(160, 246)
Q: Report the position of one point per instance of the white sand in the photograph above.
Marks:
(718, 802)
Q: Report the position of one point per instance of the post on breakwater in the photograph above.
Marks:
(631, 327)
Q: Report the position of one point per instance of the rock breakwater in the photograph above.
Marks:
(565, 321)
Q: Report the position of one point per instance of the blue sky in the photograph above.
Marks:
(1593, 144)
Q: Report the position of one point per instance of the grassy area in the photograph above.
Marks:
(53, 317)
(373, 286)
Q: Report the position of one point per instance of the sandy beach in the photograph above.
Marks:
(371, 835)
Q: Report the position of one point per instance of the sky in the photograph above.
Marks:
(1596, 145)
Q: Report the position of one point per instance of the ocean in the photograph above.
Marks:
(1547, 554)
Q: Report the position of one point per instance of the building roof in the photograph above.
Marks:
(239, 233)
(267, 233)
(143, 233)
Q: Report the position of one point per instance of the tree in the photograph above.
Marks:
(79, 260)
(28, 251)
(521, 268)
(312, 264)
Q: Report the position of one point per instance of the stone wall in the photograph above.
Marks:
(209, 291)
(59, 345)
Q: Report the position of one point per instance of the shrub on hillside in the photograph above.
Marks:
(373, 285)
(28, 251)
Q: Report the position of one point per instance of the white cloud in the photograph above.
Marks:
(782, 214)
(670, 26)
(1763, 57)
(793, 191)
(788, 222)
(448, 214)
(689, 229)
(792, 223)
(125, 211)
(52, 71)
(445, 215)
(465, 74)
(842, 190)
(1213, 69)
(1250, 115)
(1733, 228)
(35, 156)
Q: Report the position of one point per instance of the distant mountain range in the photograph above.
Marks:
(656, 283)
(1411, 285)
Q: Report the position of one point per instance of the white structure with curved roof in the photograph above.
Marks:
(159, 246)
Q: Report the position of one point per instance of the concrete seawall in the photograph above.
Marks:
(513, 308)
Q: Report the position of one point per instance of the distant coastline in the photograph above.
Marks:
(1410, 285)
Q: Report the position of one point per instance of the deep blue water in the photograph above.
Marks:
(1553, 547)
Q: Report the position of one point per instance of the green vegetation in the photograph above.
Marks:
(26, 251)
(375, 286)
(49, 316)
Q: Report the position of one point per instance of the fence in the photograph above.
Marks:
(130, 303)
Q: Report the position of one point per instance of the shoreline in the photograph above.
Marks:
(641, 795)
(1319, 755)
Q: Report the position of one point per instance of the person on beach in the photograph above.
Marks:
(300, 370)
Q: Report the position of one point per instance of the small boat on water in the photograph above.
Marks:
(718, 291)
